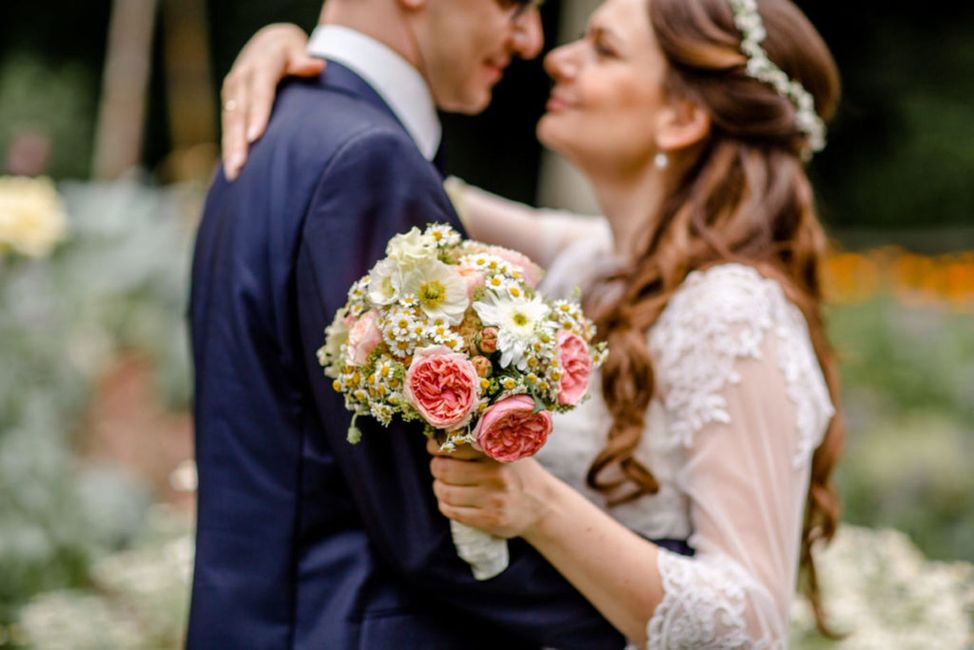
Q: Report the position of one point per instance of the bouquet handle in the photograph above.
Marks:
(486, 554)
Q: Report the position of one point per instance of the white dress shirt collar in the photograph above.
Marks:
(389, 74)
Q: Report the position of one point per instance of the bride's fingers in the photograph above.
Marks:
(234, 121)
(465, 472)
(470, 516)
(465, 496)
(260, 100)
(303, 65)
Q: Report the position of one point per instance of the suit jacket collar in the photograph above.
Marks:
(401, 87)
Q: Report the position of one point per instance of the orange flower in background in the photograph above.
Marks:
(914, 280)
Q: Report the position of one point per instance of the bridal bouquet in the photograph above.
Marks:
(453, 334)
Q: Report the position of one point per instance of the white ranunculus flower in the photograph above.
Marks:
(32, 218)
(439, 289)
(412, 248)
(336, 336)
(519, 323)
(385, 282)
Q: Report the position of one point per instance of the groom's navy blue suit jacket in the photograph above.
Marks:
(306, 541)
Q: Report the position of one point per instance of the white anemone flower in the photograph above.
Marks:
(519, 322)
(440, 291)
(385, 282)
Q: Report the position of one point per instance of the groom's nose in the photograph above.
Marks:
(528, 37)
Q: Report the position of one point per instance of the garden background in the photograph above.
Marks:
(117, 102)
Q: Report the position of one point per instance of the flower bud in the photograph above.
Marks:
(482, 365)
(488, 340)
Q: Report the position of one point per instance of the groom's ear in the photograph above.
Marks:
(681, 124)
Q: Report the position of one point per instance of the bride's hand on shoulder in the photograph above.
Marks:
(504, 499)
(274, 52)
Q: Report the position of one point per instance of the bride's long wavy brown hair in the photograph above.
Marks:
(745, 198)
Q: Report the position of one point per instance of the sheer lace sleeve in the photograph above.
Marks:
(746, 401)
(541, 234)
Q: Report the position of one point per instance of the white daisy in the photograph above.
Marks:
(444, 235)
(519, 323)
(440, 290)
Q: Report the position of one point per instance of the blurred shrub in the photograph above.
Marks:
(118, 283)
(908, 386)
(53, 102)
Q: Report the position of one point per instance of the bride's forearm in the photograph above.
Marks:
(538, 233)
(611, 566)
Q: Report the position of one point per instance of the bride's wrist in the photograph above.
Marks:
(551, 494)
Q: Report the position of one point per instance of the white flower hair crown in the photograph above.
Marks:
(760, 67)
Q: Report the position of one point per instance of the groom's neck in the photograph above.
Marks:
(383, 20)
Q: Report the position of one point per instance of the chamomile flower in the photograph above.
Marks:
(488, 264)
(443, 235)
(519, 323)
(440, 291)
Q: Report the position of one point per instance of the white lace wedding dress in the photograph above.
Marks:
(741, 405)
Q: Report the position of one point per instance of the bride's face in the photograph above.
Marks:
(607, 92)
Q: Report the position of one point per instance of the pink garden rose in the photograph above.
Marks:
(442, 385)
(532, 272)
(509, 430)
(363, 337)
(473, 278)
(576, 365)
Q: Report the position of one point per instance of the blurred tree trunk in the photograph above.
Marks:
(121, 111)
(189, 91)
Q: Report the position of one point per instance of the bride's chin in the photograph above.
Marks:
(549, 134)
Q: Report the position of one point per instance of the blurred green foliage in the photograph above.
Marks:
(908, 387)
(56, 100)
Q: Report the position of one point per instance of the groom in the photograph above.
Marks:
(303, 540)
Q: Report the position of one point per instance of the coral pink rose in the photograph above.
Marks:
(442, 385)
(576, 365)
(510, 430)
(531, 272)
(363, 337)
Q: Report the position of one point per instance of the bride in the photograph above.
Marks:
(716, 418)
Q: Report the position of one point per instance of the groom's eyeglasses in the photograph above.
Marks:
(519, 7)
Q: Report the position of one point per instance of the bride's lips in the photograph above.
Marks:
(557, 102)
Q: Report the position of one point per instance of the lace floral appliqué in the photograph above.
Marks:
(716, 318)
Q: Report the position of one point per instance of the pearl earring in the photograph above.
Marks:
(662, 161)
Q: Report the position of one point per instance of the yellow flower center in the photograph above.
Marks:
(432, 294)
(520, 319)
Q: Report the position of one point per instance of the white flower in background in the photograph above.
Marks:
(32, 217)
(519, 323)
(385, 282)
(880, 589)
(439, 289)
(411, 249)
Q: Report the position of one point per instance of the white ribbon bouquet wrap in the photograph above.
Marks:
(453, 334)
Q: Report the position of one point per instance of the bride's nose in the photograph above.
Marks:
(561, 64)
